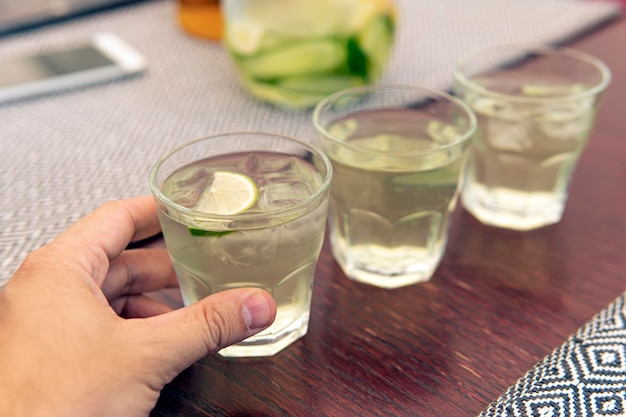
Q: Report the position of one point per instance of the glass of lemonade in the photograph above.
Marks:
(293, 53)
(246, 210)
(398, 153)
(535, 108)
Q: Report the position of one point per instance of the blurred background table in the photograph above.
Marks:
(500, 301)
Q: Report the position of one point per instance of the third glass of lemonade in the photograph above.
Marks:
(246, 210)
(535, 107)
(398, 154)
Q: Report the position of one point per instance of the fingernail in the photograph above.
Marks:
(256, 312)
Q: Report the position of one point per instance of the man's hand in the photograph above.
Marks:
(78, 335)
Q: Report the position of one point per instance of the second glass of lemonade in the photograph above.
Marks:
(398, 154)
(246, 210)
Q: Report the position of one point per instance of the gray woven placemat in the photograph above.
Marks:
(584, 377)
(64, 155)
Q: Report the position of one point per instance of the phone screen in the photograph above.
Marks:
(104, 57)
(26, 69)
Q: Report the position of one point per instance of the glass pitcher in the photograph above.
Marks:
(293, 53)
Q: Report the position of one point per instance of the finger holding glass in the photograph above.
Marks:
(65, 350)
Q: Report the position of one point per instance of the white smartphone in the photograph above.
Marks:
(104, 57)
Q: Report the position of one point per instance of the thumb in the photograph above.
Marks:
(190, 333)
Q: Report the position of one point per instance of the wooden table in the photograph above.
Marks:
(499, 302)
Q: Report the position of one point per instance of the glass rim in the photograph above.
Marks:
(156, 189)
(543, 50)
(361, 90)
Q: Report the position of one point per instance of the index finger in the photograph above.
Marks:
(109, 229)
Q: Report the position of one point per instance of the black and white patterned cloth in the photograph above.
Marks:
(584, 377)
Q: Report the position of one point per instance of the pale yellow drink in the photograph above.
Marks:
(535, 107)
(522, 159)
(272, 244)
(396, 179)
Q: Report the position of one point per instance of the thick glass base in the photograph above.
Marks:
(269, 342)
(512, 209)
(387, 268)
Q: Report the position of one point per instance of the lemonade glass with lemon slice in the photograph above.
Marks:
(293, 53)
(246, 210)
(536, 107)
(398, 153)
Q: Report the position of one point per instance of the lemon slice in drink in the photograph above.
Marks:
(229, 193)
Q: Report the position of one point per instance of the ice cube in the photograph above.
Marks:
(507, 127)
(244, 247)
(492, 107)
(441, 132)
(188, 189)
(283, 194)
(305, 228)
(250, 165)
(509, 136)
(256, 167)
(276, 164)
(270, 170)
(567, 121)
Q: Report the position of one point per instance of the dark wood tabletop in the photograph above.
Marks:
(499, 302)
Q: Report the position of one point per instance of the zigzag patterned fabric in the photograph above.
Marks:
(584, 377)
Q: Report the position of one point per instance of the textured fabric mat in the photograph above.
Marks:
(584, 377)
(63, 155)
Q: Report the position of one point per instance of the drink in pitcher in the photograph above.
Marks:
(249, 218)
(293, 53)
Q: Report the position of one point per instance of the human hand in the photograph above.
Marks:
(78, 335)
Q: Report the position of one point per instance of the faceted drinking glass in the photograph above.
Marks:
(246, 210)
(535, 107)
(398, 153)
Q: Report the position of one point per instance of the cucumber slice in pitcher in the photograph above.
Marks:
(283, 97)
(319, 84)
(375, 40)
(295, 59)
